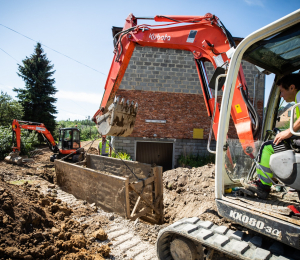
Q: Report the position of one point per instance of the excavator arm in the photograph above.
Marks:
(38, 127)
(207, 39)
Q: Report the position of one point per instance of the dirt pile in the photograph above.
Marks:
(37, 226)
(190, 193)
(93, 150)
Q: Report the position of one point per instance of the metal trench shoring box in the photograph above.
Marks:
(109, 184)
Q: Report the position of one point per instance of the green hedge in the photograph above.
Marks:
(29, 140)
(195, 160)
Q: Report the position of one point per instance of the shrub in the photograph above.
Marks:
(195, 160)
(29, 140)
(88, 133)
(121, 155)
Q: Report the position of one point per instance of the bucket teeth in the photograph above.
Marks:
(119, 119)
(116, 100)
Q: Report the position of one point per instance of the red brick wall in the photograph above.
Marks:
(182, 113)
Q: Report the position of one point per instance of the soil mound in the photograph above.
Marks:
(191, 193)
(93, 150)
(34, 226)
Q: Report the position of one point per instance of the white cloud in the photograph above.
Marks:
(6, 87)
(80, 96)
(71, 116)
(255, 2)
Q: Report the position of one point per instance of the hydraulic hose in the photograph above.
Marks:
(252, 111)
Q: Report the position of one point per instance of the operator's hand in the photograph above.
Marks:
(282, 136)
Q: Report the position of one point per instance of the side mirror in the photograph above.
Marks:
(212, 83)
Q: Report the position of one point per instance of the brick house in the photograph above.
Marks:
(172, 118)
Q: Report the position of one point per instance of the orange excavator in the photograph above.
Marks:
(208, 40)
(275, 49)
(69, 141)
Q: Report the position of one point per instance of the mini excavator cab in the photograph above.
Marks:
(69, 139)
(274, 49)
(278, 54)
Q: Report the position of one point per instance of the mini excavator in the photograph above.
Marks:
(69, 141)
(273, 224)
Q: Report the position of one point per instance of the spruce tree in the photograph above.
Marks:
(37, 98)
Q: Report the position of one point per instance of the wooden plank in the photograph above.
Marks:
(156, 182)
(141, 213)
(158, 187)
(127, 205)
(135, 206)
(139, 185)
(144, 199)
(161, 185)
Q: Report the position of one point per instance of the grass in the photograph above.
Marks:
(20, 182)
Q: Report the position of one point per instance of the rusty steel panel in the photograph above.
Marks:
(117, 167)
(106, 191)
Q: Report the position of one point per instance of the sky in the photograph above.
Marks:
(81, 30)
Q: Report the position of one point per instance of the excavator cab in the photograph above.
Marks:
(69, 145)
(69, 139)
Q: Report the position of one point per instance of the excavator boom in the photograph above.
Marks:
(207, 39)
(38, 127)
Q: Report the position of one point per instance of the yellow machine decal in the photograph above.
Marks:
(238, 108)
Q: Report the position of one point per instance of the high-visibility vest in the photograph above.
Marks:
(297, 108)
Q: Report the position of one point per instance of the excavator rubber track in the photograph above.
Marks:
(120, 118)
(193, 239)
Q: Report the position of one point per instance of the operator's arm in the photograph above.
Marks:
(286, 133)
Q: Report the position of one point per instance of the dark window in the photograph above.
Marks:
(279, 53)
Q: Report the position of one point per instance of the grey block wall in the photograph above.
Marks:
(180, 146)
(168, 70)
(174, 71)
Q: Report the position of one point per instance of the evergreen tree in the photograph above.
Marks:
(37, 98)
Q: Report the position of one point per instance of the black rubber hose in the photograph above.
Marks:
(228, 35)
(252, 111)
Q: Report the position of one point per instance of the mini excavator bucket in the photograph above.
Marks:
(14, 158)
(119, 119)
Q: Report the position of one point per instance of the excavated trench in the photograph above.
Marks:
(187, 193)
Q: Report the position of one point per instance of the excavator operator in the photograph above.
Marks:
(290, 91)
(69, 138)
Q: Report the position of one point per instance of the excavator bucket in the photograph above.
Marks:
(14, 158)
(119, 119)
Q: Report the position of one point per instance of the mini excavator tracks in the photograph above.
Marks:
(193, 239)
